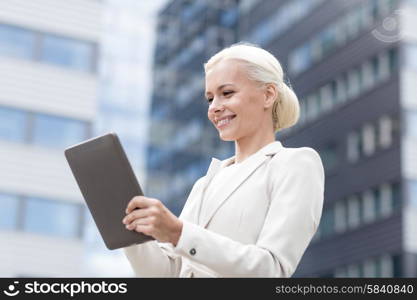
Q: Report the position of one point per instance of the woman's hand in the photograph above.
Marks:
(153, 219)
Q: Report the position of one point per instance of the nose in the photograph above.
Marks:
(215, 106)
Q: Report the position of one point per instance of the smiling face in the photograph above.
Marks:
(238, 106)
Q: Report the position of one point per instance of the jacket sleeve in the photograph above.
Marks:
(155, 259)
(291, 221)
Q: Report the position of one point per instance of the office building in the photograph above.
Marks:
(181, 138)
(353, 68)
(48, 94)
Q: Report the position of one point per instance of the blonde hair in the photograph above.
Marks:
(264, 68)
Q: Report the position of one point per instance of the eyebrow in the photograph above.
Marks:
(220, 87)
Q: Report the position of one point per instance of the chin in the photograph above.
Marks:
(227, 137)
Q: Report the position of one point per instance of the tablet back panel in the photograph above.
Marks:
(107, 182)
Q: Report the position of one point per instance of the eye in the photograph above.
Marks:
(227, 93)
(209, 100)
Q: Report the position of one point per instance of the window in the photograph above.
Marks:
(340, 216)
(333, 92)
(375, 69)
(341, 87)
(329, 156)
(67, 52)
(354, 212)
(346, 28)
(275, 24)
(313, 106)
(52, 218)
(369, 208)
(375, 10)
(368, 139)
(396, 195)
(316, 51)
(386, 203)
(411, 123)
(340, 272)
(229, 17)
(340, 32)
(412, 193)
(8, 212)
(353, 146)
(385, 131)
(393, 60)
(327, 40)
(327, 222)
(16, 42)
(353, 83)
(300, 59)
(326, 97)
(384, 6)
(353, 24)
(190, 10)
(369, 268)
(386, 266)
(53, 131)
(365, 15)
(12, 124)
(410, 54)
(383, 66)
(353, 271)
(368, 75)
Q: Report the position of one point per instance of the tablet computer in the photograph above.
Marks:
(107, 182)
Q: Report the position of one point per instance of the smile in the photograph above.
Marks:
(223, 122)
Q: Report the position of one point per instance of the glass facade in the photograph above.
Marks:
(180, 143)
(16, 42)
(335, 35)
(70, 53)
(8, 212)
(57, 132)
(371, 267)
(349, 85)
(277, 23)
(41, 129)
(13, 124)
(61, 51)
(371, 138)
(52, 218)
(41, 216)
(360, 209)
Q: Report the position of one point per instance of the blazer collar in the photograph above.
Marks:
(223, 192)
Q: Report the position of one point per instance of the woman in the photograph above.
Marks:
(251, 215)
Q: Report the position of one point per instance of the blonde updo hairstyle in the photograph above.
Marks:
(264, 68)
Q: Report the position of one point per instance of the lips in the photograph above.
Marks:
(224, 121)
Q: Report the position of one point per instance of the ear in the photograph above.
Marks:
(271, 93)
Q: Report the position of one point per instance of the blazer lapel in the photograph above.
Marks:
(223, 192)
(215, 165)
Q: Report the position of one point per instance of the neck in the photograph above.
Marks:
(246, 146)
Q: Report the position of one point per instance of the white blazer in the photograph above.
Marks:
(259, 225)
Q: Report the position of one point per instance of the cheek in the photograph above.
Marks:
(209, 115)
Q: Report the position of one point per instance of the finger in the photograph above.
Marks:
(136, 214)
(142, 221)
(138, 202)
(145, 229)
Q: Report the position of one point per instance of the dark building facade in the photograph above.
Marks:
(354, 70)
(181, 138)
